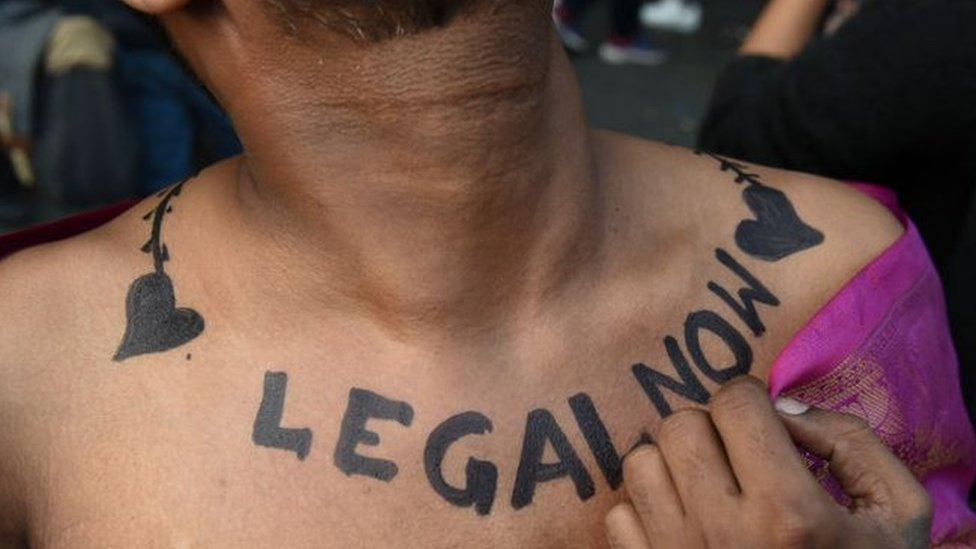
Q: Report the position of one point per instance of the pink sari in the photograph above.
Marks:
(880, 349)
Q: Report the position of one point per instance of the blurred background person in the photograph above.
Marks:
(626, 44)
(888, 96)
(683, 16)
(179, 127)
(99, 109)
(67, 132)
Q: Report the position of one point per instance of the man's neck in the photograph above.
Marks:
(441, 180)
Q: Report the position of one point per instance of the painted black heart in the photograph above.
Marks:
(153, 323)
(777, 231)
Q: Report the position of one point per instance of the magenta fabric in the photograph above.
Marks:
(881, 350)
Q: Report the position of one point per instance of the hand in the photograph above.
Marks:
(734, 478)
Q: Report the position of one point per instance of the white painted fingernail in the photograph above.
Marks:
(791, 406)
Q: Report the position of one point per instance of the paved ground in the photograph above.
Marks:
(663, 103)
(667, 102)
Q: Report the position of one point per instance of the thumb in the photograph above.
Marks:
(867, 471)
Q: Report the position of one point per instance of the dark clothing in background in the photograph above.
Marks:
(85, 149)
(889, 99)
(82, 150)
(130, 29)
(181, 128)
(178, 126)
(103, 132)
(24, 29)
(8, 180)
(624, 21)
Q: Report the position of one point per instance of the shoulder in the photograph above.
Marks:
(63, 302)
(22, 304)
(43, 290)
(857, 227)
(50, 285)
(709, 191)
(53, 301)
(64, 309)
(58, 299)
(805, 237)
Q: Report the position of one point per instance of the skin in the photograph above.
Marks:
(769, 500)
(784, 28)
(428, 218)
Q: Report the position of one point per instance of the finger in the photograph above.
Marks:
(867, 471)
(761, 452)
(699, 468)
(654, 496)
(624, 529)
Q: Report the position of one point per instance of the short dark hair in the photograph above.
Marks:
(365, 20)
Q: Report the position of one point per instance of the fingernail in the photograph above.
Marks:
(791, 406)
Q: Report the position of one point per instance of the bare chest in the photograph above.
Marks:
(212, 445)
(275, 453)
(299, 464)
